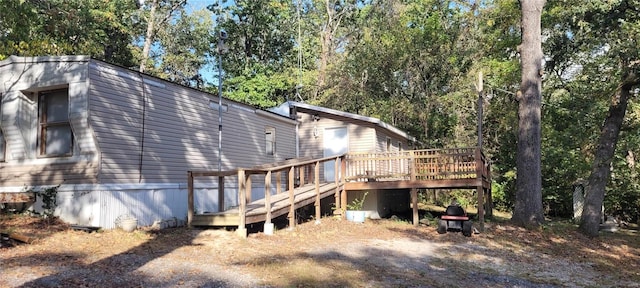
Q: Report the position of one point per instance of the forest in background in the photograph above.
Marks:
(410, 63)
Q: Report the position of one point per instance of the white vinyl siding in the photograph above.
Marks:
(179, 131)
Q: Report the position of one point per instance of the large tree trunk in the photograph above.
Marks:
(148, 39)
(326, 45)
(600, 169)
(528, 201)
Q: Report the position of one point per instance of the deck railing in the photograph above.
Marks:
(297, 174)
(430, 164)
(413, 165)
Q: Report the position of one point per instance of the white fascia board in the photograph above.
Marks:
(354, 116)
(276, 116)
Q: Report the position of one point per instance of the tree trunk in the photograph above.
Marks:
(148, 39)
(326, 40)
(600, 169)
(528, 210)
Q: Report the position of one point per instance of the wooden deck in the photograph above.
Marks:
(256, 211)
(465, 168)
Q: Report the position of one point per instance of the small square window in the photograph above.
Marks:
(270, 139)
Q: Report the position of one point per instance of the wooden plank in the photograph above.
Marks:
(267, 197)
(278, 182)
(216, 220)
(292, 210)
(414, 205)
(17, 197)
(316, 176)
(457, 183)
(242, 190)
(256, 212)
(220, 193)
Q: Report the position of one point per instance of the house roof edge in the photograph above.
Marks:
(354, 116)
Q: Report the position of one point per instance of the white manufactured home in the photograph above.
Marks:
(121, 142)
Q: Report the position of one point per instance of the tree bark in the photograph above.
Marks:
(326, 42)
(600, 169)
(528, 202)
(148, 39)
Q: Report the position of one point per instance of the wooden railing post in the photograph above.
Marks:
(301, 175)
(414, 193)
(343, 195)
(412, 166)
(242, 191)
(268, 226)
(316, 173)
(338, 177)
(248, 186)
(292, 208)
(189, 198)
(220, 193)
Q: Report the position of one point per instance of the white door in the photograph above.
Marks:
(336, 142)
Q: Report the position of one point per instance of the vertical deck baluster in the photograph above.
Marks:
(316, 175)
(292, 207)
(242, 210)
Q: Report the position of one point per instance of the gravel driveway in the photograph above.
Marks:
(334, 253)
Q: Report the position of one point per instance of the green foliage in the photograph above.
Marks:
(357, 203)
(184, 45)
(259, 65)
(49, 198)
(91, 27)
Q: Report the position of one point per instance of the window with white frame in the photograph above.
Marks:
(270, 139)
(55, 137)
(388, 144)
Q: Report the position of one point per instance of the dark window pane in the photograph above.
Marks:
(58, 140)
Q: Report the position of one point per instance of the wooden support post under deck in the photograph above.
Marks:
(414, 195)
(292, 208)
(489, 196)
(220, 193)
(316, 173)
(189, 198)
(337, 181)
(414, 204)
(242, 191)
(480, 192)
(489, 211)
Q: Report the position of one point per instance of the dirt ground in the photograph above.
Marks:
(331, 253)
